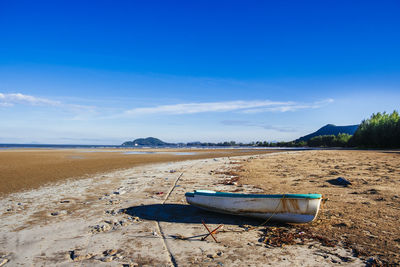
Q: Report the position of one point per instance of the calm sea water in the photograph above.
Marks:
(14, 146)
(57, 146)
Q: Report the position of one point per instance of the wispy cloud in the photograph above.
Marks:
(292, 106)
(239, 106)
(8, 100)
(190, 108)
(284, 129)
(84, 112)
(79, 111)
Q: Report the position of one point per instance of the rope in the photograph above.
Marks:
(323, 201)
(270, 217)
(172, 188)
(161, 232)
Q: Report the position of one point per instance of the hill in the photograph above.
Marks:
(330, 129)
(149, 141)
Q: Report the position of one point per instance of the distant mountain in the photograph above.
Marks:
(330, 129)
(149, 141)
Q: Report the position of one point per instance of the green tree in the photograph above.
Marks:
(381, 130)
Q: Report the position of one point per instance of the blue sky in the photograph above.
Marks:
(103, 72)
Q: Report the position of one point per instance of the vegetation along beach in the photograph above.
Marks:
(199, 133)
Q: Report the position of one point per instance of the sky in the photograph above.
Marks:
(104, 72)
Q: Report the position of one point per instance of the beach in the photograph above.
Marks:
(24, 169)
(137, 215)
(364, 215)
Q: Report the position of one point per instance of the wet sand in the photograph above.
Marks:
(364, 216)
(23, 169)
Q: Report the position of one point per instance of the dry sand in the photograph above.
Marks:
(138, 215)
(364, 216)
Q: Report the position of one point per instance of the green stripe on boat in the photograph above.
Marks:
(238, 195)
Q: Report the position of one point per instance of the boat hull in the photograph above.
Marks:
(290, 208)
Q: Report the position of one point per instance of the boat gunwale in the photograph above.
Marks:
(240, 195)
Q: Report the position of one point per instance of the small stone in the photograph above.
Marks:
(210, 256)
(374, 262)
(134, 219)
(112, 212)
(100, 228)
(76, 257)
(110, 252)
(83, 257)
(108, 259)
(105, 227)
(372, 191)
(63, 212)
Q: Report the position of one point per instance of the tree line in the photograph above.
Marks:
(381, 130)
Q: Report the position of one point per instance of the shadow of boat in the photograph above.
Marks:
(178, 213)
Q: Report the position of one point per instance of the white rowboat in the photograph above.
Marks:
(290, 208)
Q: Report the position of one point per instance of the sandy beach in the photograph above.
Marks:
(138, 216)
(364, 216)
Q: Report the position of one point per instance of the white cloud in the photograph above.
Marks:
(191, 108)
(18, 98)
(291, 107)
(241, 106)
(278, 128)
(84, 112)
(79, 112)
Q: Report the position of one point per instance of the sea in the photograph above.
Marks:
(55, 146)
(70, 146)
